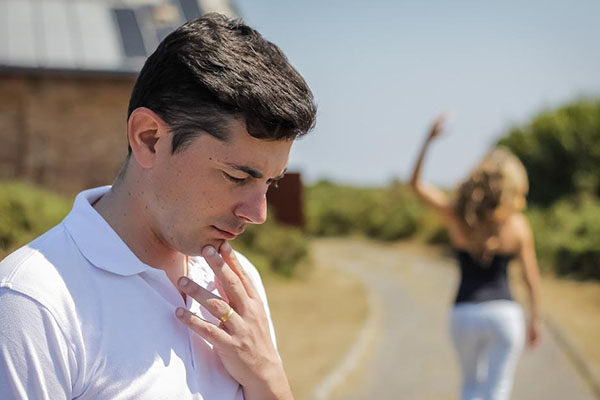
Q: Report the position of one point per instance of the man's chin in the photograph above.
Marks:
(195, 250)
(219, 244)
(216, 243)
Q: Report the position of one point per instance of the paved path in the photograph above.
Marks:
(411, 356)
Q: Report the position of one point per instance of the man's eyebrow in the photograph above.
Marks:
(280, 177)
(255, 173)
(250, 171)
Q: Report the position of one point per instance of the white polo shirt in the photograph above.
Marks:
(81, 317)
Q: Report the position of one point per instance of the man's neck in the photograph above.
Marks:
(123, 209)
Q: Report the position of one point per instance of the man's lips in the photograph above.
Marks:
(229, 234)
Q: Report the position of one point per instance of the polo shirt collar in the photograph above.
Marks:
(96, 240)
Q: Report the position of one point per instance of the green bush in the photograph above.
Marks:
(274, 247)
(568, 237)
(390, 213)
(333, 210)
(561, 151)
(27, 211)
(432, 229)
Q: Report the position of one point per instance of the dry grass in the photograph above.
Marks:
(574, 307)
(317, 318)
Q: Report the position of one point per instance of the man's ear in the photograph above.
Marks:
(144, 130)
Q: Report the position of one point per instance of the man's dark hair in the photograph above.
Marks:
(213, 69)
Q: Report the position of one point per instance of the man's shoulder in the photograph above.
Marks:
(37, 269)
(29, 254)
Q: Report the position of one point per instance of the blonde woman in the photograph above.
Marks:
(487, 230)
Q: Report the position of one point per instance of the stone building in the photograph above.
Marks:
(66, 72)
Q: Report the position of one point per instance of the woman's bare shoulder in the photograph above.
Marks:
(519, 221)
(454, 227)
(519, 226)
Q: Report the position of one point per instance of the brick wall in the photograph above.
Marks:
(65, 133)
(69, 133)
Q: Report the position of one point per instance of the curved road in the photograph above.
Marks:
(410, 355)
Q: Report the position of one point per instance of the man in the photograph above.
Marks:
(137, 293)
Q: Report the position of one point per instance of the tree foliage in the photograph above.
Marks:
(561, 151)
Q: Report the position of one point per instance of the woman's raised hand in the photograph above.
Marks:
(438, 125)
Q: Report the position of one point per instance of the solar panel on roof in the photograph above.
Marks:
(163, 32)
(191, 9)
(145, 19)
(94, 35)
(131, 36)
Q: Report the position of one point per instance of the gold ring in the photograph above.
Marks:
(225, 317)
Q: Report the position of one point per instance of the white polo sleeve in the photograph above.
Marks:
(36, 360)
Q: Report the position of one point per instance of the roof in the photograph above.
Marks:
(113, 36)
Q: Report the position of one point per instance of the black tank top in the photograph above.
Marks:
(480, 283)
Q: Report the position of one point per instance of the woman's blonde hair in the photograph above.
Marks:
(492, 192)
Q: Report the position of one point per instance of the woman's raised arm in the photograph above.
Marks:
(433, 196)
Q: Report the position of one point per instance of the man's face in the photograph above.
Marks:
(207, 192)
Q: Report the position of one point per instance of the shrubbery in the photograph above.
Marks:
(561, 151)
(567, 233)
(568, 237)
(27, 211)
(390, 213)
(274, 246)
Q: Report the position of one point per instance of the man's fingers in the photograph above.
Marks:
(221, 291)
(191, 288)
(215, 305)
(231, 259)
(229, 319)
(229, 281)
(211, 332)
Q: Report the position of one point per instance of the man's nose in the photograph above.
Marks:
(254, 209)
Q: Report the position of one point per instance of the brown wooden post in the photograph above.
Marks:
(286, 202)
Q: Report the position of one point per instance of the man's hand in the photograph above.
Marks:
(242, 340)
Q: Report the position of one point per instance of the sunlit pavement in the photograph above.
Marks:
(411, 356)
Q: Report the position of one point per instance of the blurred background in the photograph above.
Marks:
(522, 74)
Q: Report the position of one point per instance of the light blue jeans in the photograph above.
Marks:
(488, 338)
